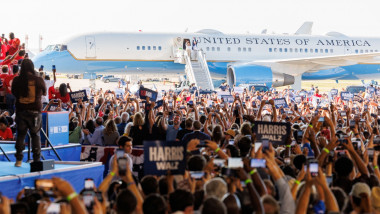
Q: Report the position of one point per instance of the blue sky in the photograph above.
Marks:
(54, 19)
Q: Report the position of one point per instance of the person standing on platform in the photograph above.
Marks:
(28, 88)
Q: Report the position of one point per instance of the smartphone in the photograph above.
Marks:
(352, 124)
(88, 199)
(54, 208)
(92, 101)
(313, 166)
(258, 163)
(265, 143)
(41, 67)
(370, 152)
(219, 162)
(119, 153)
(197, 175)
(231, 142)
(343, 114)
(122, 163)
(329, 180)
(299, 135)
(89, 184)
(257, 146)
(321, 119)
(53, 67)
(235, 163)
(201, 144)
(287, 161)
(229, 172)
(44, 184)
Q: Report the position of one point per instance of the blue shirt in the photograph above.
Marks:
(121, 128)
(195, 135)
(171, 133)
(97, 137)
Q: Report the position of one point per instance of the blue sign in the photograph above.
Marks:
(144, 93)
(346, 96)
(228, 98)
(334, 92)
(280, 102)
(162, 156)
(276, 133)
(77, 95)
(58, 127)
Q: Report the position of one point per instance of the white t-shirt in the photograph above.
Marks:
(48, 84)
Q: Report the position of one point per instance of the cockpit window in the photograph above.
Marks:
(49, 48)
(56, 48)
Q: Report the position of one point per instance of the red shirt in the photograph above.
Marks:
(4, 49)
(7, 134)
(51, 92)
(8, 83)
(64, 99)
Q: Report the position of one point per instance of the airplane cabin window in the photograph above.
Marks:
(213, 48)
(270, 49)
(291, 50)
(207, 49)
(280, 49)
(371, 51)
(63, 47)
(285, 50)
(320, 50)
(228, 49)
(305, 50)
(218, 48)
(148, 48)
(296, 50)
(366, 51)
(239, 49)
(275, 49)
(311, 50)
(316, 50)
(301, 50)
(361, 51)
(249, 49)
(138, 48)
(331, 50)
(154, 48)
(356, 51)
(159, 48)
(376, 51)
(143, 48)
(326, 51)
(244, 49)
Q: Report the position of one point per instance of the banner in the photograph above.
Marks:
(228, 98)
(76, 95)
(346, 96)
(276, 133)
(280, 102)
(378, 92)
(334, 92)
(144, 92)
(161, 156)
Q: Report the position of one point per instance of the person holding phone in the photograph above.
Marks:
(124, 151)
(28, 89)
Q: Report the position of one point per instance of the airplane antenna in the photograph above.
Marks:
(264, 31)
(26, 42)
(40, 42)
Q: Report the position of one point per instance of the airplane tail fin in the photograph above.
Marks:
(305, 28)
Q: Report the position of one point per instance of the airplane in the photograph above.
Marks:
(274, 60)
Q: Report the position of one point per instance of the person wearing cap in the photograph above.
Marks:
(375, 199)
(360, 198)
(229, 134)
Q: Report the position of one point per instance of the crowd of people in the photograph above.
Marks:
(328, 164)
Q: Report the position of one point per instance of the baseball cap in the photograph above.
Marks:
(230, 132)
(360, 188)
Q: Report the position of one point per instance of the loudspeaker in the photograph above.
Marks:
(42, 165)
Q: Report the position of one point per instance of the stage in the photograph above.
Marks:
(13, 179)
(68, 152)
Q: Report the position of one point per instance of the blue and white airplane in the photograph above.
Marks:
(275, 60)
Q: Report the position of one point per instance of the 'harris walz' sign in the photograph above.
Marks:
(277, 133)
(280, 102)
(76, 95)
(144, 93)
(161, 156)
(346, 96)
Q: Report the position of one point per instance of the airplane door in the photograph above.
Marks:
(90, 47)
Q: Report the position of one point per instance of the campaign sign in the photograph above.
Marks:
(76, 95)
(280, 102)
(228, 98)
(378, 92)
(276, 133)
(371, 90)
(144, 92)
(162, 156)
(334, 92)
(346, 96)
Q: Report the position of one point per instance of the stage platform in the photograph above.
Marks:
(13, 179)
(68, 152)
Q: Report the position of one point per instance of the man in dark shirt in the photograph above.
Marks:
(28, 88)
(196, 134)
(188, 129)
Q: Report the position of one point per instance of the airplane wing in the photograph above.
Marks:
(297, 66)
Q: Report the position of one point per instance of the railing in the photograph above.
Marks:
(189, 69)
(201, 57)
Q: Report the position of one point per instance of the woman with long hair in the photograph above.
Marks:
(110, 133)
(139, 130)
(28, 88)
